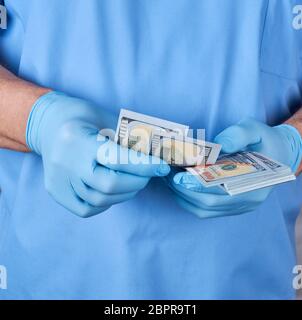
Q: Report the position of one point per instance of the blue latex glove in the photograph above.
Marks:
(81, 172)
(283, 143)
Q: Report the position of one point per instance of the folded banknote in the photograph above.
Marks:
(165, 139)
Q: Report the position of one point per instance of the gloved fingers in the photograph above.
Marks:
(203, 213)
(83, 209)
(208, 203)
(239, 136)
(96, 198)
(70, 201)
(207, 198)
(222, 202)
(108, 181)
(117, 158)
(191, 182)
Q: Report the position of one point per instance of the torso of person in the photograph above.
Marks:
(203, 63)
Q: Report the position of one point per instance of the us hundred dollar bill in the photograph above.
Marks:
(184, 151)
(164, 139)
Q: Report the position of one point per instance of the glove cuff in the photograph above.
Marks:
(37, 113)
(295, 139)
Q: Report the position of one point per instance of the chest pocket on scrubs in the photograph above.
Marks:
(279, 53)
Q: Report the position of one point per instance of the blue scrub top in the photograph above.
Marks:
(204, 63)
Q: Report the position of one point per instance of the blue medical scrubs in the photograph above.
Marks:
(204, 63)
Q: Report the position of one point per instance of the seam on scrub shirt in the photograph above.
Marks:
(263, 30)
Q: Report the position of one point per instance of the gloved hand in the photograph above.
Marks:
(282, 143)
(82, 168)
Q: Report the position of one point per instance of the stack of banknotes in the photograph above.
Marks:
(235, 173)
(242, 172)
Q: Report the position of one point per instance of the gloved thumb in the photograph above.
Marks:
(237, 137)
